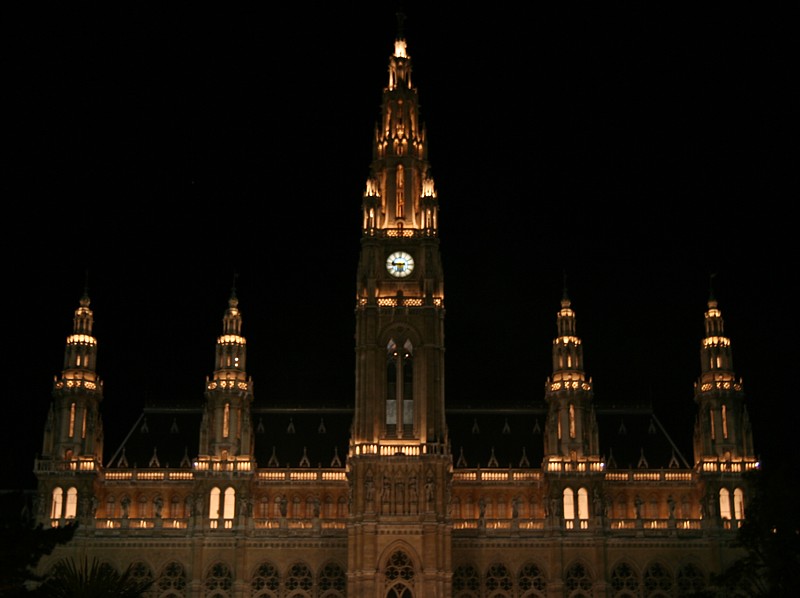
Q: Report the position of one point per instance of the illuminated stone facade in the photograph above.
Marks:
(414, 498)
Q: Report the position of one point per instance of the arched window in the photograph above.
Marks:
(230, 503)
(724, 503)
(266, 581)
(71, 508)
(499, 582)
(466, 582)
(583, 503)
(391, 388)
(219, 581)
(738, 503)
(577, 582)
(71, 420)
(399, 576)
(657, 581)
(332, 581)
(690, 580)
(140, 572)
(569, 504)
(172, 580)
(399, 387)
(213, 504)
(572, 421)
(624, 581)
(531, 582)
(57, 504)
(299, 581)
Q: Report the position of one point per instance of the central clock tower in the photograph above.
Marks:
(399, 462)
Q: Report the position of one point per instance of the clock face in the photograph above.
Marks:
(400, 264)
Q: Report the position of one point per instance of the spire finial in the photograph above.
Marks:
(564, 297)
(234, 300)
(401, 19)
(85, 298)
(711, 299)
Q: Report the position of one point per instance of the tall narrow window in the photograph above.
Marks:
(738, 503)
(83, 424)
(725, 421)
(724, 503)
(229, 504)
(57, 503)
(399, 576)
(572, 421)
(408, 389)
(400, 211)
(711, 417)
(226, 420)
(569, 504)
(71, 508)
(583, 504)
(71, 420)
(213, 504)
(391, 387)
(558, 426)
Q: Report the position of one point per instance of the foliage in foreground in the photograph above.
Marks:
(91, 579)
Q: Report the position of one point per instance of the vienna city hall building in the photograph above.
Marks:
(398, 495)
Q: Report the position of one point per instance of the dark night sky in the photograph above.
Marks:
(164, 147)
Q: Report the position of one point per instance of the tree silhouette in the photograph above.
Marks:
(91, 579)
(22, 545)
(770, 535)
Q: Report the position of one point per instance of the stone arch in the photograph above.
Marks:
(140, 571)
(531, 581)
(332, 580)
(578, 580)
(299, 581)
(399, 570)
(498, 581)
(690, 578)
(624, 580)
(466, 581)
(657, 581)
(218, 581)
(171, 581)
(265, 581)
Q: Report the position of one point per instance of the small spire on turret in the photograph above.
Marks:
(712, 302)
(401, 19)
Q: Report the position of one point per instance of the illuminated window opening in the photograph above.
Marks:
(226, 420)
(583, 503)
(738, 503)
(71, 420)
(401, 193)
(71, 507)
(83, 425)
(572, 421)
(558, 427)
(391, 387)
(711, 417)
(569, 504)
(725, 421)
(57, 503)
(229, 504)
(724, 503)
(213, 504)
(408, 390)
